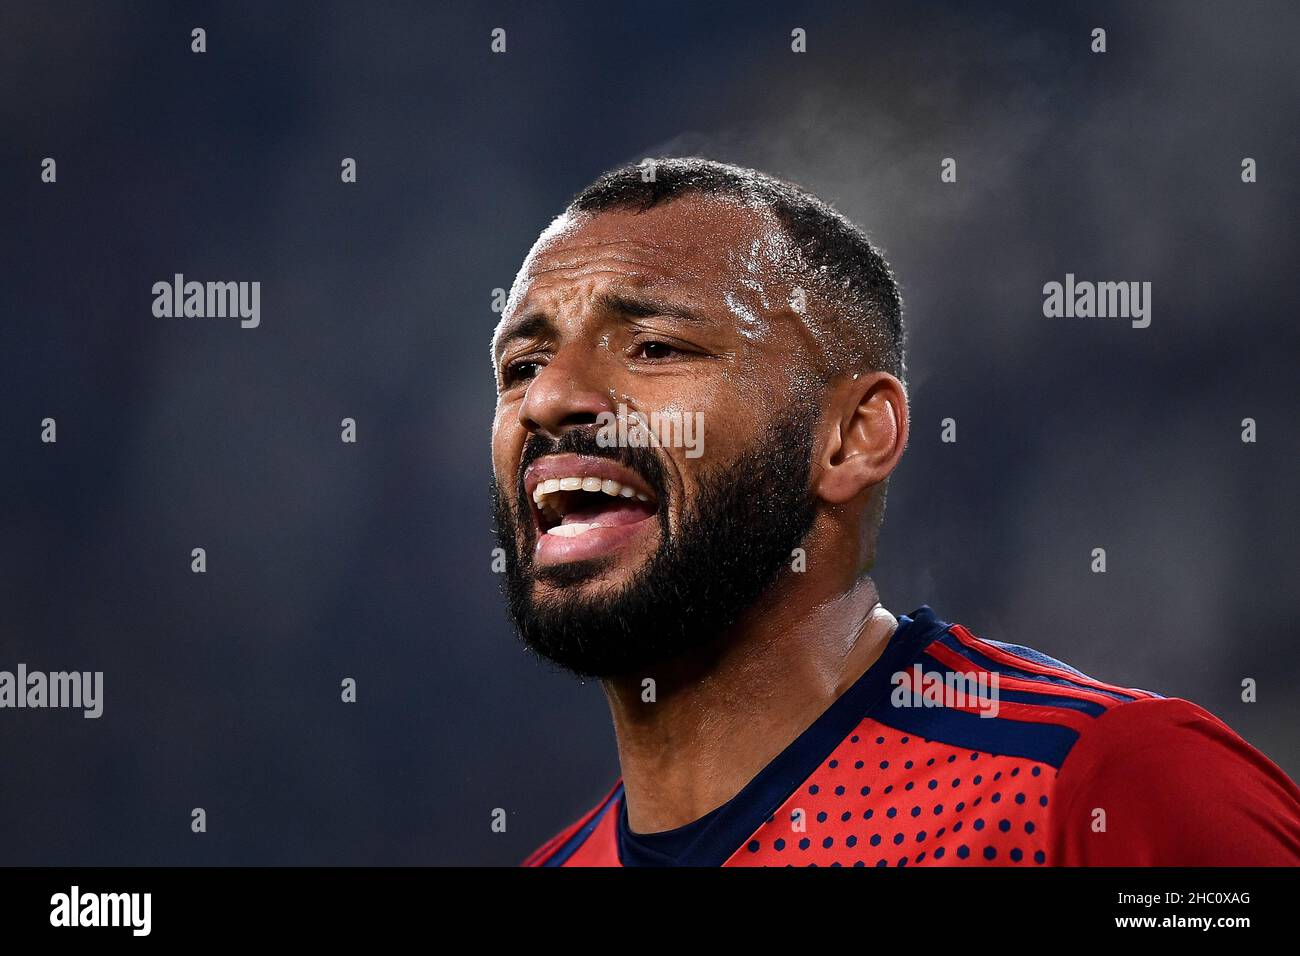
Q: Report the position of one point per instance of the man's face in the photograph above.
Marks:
(643, 553)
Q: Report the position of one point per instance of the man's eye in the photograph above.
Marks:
(517, 371)
(654, 350)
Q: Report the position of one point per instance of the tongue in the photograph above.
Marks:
(613, 514)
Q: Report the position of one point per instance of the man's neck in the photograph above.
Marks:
(717, 719)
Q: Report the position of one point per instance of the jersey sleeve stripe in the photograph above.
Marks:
(1015, 661)
(954, 661)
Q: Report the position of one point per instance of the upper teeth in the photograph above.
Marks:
(588, 483)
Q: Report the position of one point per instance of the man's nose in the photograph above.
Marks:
(572, 389)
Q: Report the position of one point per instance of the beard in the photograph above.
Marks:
(734, 541)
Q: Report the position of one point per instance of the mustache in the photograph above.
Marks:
(582, 441)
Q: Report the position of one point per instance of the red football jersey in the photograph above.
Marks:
(956, 751)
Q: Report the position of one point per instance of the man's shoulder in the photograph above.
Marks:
(1139, 778)
(1165, 782)
(1022, 684)
(1060, 710)
(996, 697)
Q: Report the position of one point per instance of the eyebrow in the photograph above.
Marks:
(537, 324)
(639, 306)
(532, 325)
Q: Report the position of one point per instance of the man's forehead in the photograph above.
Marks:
(714, 255)
(693, 237)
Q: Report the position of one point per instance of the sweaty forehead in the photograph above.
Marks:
(694, 243)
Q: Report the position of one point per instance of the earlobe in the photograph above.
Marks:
(868, 440)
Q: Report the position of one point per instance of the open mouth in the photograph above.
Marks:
(592, 502)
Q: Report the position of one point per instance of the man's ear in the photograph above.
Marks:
(867, 432)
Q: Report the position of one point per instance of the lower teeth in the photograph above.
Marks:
(571, 530)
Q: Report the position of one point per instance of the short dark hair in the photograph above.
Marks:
(838, 262)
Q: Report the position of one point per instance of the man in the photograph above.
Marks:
(768, 709)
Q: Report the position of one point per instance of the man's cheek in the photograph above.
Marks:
(511, 504)
(502, 469)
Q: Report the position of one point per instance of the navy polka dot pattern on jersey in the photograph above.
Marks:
(886, 798)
